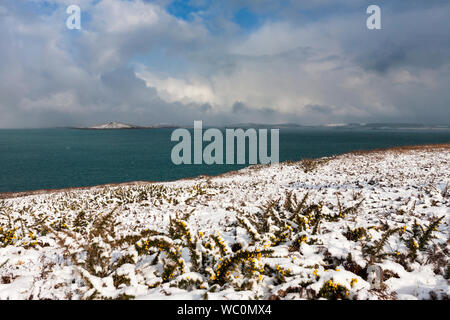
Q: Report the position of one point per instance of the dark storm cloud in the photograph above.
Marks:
(250, 114)
(239, 107)
(319, 109)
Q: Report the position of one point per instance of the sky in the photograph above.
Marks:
(261, 61)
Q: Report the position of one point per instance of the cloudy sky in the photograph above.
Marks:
(173, 61)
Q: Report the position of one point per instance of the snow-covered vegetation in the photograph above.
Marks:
(357, 226)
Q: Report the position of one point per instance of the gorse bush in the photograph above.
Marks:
(95, 250)
(420, 237)
(356, 234)
(376, 250)
(7, 237)
(333, 291)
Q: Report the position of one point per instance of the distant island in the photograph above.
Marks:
(121, 126)
(113, 125)
(367, 126)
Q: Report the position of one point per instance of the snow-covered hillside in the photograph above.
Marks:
(311, 229)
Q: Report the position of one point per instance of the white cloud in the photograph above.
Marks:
(190, 90)
(120, 17)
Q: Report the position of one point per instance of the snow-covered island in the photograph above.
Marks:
(369, 225)
(120, 125)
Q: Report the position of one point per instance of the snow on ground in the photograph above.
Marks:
(305, 230)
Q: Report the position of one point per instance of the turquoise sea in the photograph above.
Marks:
(58, 158)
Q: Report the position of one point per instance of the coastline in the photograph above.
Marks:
(399, 149)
